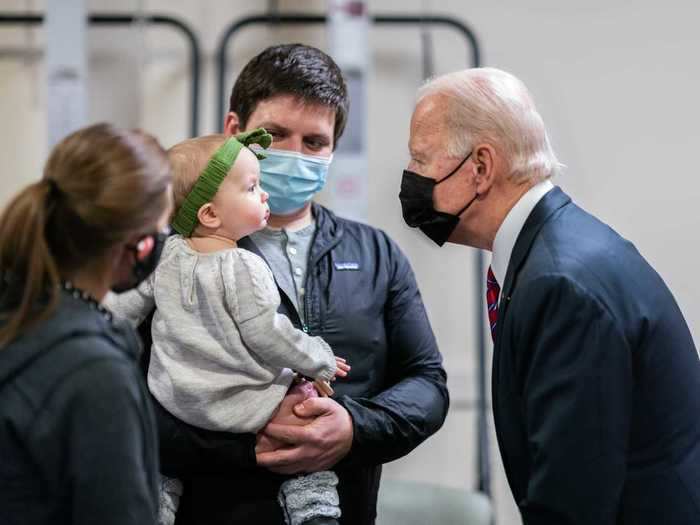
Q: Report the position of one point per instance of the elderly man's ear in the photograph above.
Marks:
(485, 164)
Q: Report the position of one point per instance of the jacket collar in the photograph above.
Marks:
(72, 318)
(329, 231)
(247, 244)
(542, 212)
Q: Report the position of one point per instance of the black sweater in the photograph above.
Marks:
(77, 434)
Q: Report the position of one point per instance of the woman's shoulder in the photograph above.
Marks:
(76, 347)
(88, 332)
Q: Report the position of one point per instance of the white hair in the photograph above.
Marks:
(492, 106)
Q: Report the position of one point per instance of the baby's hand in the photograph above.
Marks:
(323, 387)
(342, 367)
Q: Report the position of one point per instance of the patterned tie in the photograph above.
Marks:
(492, 291)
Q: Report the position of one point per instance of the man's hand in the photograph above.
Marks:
(315, 437)
(284, 415)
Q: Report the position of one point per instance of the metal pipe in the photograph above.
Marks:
(121, 19)
(311, 19)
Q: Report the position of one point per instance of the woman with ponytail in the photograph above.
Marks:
(77, 437)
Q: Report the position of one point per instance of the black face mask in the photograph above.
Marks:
(416, 198)
(144, 267)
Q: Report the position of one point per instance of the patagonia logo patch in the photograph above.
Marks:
(347, 266)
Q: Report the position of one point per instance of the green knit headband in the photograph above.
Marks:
(213, 175)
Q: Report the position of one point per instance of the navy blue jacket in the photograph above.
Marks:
(596, 380)
(361, 297)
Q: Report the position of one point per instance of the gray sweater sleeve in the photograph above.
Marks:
(132, 306)
(253, 299)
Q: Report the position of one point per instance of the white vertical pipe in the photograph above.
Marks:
(348, 28)
(66, 67)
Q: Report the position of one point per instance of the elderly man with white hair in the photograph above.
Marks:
(596, 379)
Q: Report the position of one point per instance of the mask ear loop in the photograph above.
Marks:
(450, 175)
(454, 170)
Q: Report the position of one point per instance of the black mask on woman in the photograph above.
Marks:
(416, 198)
(144, 267)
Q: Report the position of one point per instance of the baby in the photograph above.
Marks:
(222, 356)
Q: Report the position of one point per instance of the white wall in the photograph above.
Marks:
(617, 84)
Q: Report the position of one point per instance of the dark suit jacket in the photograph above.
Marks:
(596, 380)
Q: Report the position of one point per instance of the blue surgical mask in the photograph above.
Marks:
(291, 179)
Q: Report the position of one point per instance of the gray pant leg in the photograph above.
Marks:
(310, 496)
(169, 500)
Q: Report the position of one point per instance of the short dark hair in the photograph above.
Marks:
(291, 69)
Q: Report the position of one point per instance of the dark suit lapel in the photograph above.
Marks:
(540, 214)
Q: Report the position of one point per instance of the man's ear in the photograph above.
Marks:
(232, 124)
(207, 216)
(484, 161)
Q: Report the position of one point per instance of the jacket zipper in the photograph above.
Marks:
(309, 269)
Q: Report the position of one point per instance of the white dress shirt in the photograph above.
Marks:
(508, 232)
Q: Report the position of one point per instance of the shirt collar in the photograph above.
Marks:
(508, 232)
